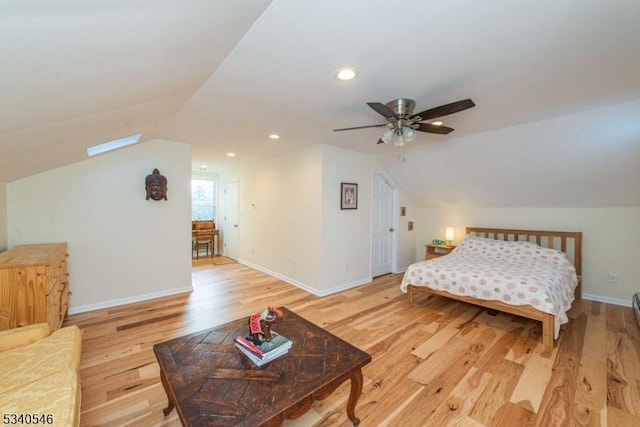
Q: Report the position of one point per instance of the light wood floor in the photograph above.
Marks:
(438, 362)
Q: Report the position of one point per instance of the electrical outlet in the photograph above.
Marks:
(612, 278)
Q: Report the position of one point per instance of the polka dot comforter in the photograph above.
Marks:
(515, 273)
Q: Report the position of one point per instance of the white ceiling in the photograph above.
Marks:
(556, 83)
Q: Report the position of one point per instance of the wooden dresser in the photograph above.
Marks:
(33, 285)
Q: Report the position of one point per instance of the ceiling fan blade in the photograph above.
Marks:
(381, 109)
(445, 110)
(428, 127)
(380, 141)
(361, 127)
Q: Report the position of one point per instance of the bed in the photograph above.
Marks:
(529, 273)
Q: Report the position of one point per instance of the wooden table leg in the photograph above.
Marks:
(354, 395)
(166, 411)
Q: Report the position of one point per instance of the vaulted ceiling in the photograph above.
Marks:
(556, 86)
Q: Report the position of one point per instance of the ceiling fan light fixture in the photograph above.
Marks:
(408, 133)
(387, 136)
(400, 140)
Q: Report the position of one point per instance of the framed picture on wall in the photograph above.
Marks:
(348, 195)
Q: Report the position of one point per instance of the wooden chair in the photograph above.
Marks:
(202, 237)
(201, 242)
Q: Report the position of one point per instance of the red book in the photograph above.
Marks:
(249, 345)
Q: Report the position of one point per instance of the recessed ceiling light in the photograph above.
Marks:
(274, 136)
(346, 73)
(438, 123)
(112, 145)
(231, 154)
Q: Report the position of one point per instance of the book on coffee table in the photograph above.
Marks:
(277, 344)
(260, 361)
(265, 351)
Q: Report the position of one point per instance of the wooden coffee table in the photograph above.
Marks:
(210, 382)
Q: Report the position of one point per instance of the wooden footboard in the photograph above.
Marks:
(568, 242)
(519, 310)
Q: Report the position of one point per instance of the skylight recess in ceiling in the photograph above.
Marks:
(112, 145)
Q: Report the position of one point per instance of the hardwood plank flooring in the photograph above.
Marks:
(438, 362)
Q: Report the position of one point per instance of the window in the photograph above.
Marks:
(203, 196)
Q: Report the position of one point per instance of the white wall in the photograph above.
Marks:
(408, 253)
(346, 234)
(280, 222)
(122, 248)
(3, 216)
(610, 239)
(291, 224)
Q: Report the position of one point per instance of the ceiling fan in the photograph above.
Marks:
(403, 124)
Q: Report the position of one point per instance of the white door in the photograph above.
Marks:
(230, 220)
(383, 232)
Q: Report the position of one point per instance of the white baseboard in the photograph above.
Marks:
(128, 300)
(607, 300)
(345, 287)
(304, 286)
(401, 269)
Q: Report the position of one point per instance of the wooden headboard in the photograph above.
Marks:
(569, 242)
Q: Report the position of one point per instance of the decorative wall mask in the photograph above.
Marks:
(156, 186)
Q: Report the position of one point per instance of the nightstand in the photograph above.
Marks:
(434, 251)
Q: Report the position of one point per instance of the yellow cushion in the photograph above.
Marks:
(69, 337)
(17, 337)
(29, 363)
(57, 395)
